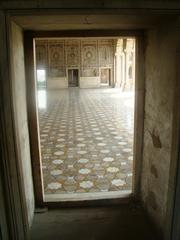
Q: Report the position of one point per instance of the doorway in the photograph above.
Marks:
(73, 77)
(86, 135)
(41, 78)
(137, 104)
(105, 76)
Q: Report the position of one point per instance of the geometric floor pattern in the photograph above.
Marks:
(86, 140)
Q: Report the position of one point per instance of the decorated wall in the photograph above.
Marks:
(99, 61)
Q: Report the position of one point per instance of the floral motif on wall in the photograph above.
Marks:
(56, 54)
(57, 72)
(72, 50)
(41, 54)
(105, 55)
(89, 53)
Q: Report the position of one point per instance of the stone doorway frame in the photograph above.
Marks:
(173, 210)
(73, 68)
(110, 76)
(29, 41)
(12, 194)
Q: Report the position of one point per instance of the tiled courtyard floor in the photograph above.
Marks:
(86, 141)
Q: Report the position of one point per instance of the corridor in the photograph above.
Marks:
(95, 223)
(86, 142)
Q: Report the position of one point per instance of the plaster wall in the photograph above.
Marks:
(160, 76)
(20, 112)
(89, 82)
(55, 83)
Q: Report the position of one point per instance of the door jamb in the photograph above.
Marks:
(30, 71)
(139, 102)
(69, 68)
(173, 201)
(10, 173)
(110, 75)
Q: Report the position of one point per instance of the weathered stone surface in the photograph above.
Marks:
(154, 171)
(160, 57)
(104, 223)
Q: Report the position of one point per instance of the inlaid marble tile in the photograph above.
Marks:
(86, 141)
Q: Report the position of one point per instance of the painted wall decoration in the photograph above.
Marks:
(55, 72)
(105, 55)
(90, 72)
(72, 51)
(41, 54)
(89, 53)
(56, 53)
(106, 52)
(89, 56)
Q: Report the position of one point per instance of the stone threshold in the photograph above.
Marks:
(86, 196)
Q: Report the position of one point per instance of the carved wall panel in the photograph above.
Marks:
(41, 54)
(56, 53)
(89, 53)
(72, 51)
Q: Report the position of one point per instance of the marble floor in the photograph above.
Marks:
(86, 142)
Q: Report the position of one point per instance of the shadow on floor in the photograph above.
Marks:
(93, 223)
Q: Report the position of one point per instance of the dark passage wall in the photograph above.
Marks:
(160, 80)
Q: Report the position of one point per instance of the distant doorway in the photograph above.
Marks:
(86, 136)
(73, 77)
(41, 78)
(105, 76)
